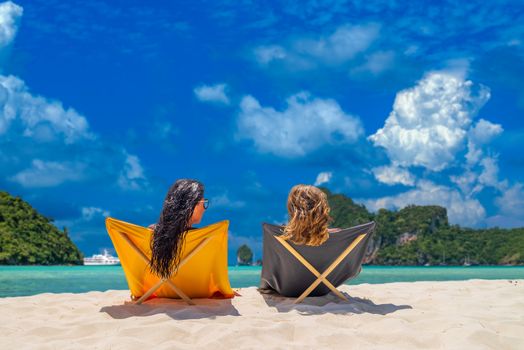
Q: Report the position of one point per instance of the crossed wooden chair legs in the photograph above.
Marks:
(321, 277)
(153, 289)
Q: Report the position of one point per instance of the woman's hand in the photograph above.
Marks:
(334, 230)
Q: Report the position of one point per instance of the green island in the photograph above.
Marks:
(244, 256)
(414, 235)
(421, 235)
(29, 238)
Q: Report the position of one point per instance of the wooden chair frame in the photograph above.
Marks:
(153, 289)
(321, 277)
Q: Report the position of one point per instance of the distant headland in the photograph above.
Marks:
(421, 235)
(29, 238)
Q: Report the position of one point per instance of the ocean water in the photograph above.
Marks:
(30, 280)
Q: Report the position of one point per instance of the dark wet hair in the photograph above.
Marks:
(175, 221)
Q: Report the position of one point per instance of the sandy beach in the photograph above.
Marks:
(475, 314)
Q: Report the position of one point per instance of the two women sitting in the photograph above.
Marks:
(308, 211)
(184, 206)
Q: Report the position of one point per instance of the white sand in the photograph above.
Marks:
(472, 314)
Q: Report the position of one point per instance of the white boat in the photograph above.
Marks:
(102, 259)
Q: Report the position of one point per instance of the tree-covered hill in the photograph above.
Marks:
(244, 255)
(27, 237)
(421, 235)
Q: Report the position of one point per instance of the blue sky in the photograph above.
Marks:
(105, 104)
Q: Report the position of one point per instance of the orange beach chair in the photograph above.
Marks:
(202, 271)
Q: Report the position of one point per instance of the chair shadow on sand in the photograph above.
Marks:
(330, 303)
(174, 308)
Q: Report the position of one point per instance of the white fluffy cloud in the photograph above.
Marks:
(88, 213)
(48, 144)
(10, 14)
(376, 63)
(266, 54)
(484, 131)
(511, 208)
(340, 46)
(429, 123)
(478, 136)
(43, 143)
(323, 177)
(511, 202)
(467, 182)
(392, 175)
(49, 174)
(431, 126)
(489, 175)
(481, 169)
(305, 125)
(132, 175)
(36, 117)
(461, 210)
(212, 93)
(471, 182)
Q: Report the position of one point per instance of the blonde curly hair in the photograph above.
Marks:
(308, 211)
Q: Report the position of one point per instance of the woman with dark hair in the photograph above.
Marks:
(183, 207)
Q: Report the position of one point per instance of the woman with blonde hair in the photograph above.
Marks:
(296, 254)
(308, 211)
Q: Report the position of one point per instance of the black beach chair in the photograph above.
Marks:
(298, 270)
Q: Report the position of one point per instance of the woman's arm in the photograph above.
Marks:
(334, 229)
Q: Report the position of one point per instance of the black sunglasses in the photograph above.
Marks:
(206, 203)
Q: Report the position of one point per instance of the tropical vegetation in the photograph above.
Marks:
(422, 235)
(244, 255)
(29, 238)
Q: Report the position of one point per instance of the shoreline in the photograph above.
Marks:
(485, 314)
(25, 281)
(343, 286)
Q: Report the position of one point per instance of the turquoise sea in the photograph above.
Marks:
(30, 280)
